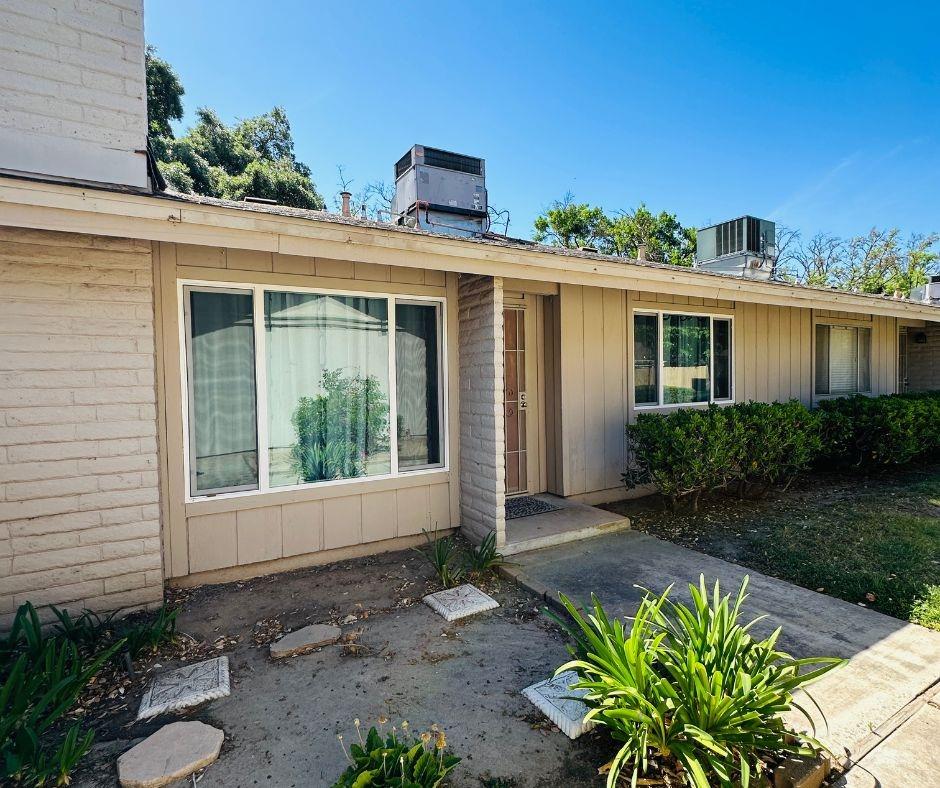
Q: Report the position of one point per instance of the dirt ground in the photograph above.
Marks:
(402, 660)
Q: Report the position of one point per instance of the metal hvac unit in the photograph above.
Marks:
(745, 246)
(928, 293)
(441, 192)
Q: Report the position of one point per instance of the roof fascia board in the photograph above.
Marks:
(74, 209)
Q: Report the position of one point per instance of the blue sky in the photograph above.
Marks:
(822, 116)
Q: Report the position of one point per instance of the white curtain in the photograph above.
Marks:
(328, 386)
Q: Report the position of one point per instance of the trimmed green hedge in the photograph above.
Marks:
(753, 446)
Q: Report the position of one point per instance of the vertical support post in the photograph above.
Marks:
(482, 429)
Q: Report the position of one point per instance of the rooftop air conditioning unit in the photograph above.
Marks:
(745, 246)
(928, 293)
(441, 192)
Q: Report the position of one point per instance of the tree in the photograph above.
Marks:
(666, 240)
(574, 225)
(877, 262)
(571, 225)
(164, 95)
(253, 158)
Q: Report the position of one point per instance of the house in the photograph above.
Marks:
(194, 390)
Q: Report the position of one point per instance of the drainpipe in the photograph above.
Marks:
(346, 196)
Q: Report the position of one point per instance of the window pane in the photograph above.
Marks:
(223, 428)
(685, 359)
(864, 359)
(822, 359)
(328, 385)
(645, 362)
(843, 360)
(722, 364)
(417, 381)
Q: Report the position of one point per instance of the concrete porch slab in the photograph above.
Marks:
(891, 664)
(572, 521)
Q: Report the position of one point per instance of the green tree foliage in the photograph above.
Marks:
(252, 158)
(164, 95)
(878, 262)
(574, 225)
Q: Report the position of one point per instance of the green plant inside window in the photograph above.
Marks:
(339, 429)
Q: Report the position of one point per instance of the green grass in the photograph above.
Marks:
(868, 540)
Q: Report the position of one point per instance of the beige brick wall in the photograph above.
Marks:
(79, 515)
(923, 359)
(73, 98)
(482, 430)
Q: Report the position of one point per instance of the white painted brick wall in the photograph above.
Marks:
(79, 513)
(73, 95)
(482, 426)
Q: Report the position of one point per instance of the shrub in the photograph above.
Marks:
(684, 453)
(881, 431)
(778, 442)
(690, 685)
(399, 760)
(696, 450)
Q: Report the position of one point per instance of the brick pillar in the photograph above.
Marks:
(482, 431)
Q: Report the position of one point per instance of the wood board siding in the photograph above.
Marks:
(221, 538)
(772, 356)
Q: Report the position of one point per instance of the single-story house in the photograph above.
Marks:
(195, 390)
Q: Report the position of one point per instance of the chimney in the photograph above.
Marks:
(641, 251)
(346, 196)
(92, 124)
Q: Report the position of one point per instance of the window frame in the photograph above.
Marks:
(858, 328)
(660, 365)
(184, 286)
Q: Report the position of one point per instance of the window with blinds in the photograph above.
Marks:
(843, 360)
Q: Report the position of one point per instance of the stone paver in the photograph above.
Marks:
(557, 701)
(172, 753)
(306, 639)
(460, 602)
(185, 687)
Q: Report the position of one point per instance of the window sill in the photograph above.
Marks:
(677, 405)
(256, 499)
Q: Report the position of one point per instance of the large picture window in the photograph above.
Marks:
(681, 359)
(843, 360)
(333, 386)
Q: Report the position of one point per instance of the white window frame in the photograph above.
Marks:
(261, 385)
(660, 361)
(858, 366)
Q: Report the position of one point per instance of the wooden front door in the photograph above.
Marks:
(514, 402)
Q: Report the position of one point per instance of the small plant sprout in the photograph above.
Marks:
(484, 557)
(443, 554)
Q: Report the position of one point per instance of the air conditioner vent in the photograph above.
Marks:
(453, 161)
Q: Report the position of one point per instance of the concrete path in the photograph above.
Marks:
(907, 757)
(892, 664)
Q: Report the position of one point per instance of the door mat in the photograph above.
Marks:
(526, 506)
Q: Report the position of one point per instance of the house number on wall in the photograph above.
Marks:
(522, 400)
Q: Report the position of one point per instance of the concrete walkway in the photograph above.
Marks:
(892, 664)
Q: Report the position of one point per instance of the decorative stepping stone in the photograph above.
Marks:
(185, 687)
(460, 602)
(304, 640)
(557, 701)
(172, 753)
